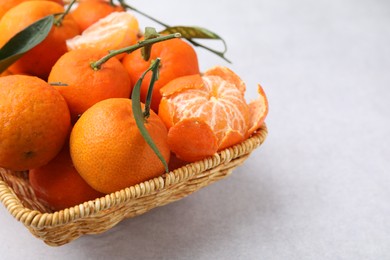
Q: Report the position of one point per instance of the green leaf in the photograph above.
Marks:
(139, 116)
(192, 32)
(24, 41)
(195, 32)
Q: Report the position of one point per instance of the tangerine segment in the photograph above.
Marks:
(59, 184)
(178, 58)
(35, 122)
(192, 139)
(258, 111)
(213, 99)
(180, 84)
(109, 151)
(89, 12)
(115, 31)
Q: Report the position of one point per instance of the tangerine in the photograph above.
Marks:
(82, 86)
(115, 31)
(34, 120)
(89, 12)
(39, 60)
(178, 58)
(59, 185)
(5, 73)
(108, 149)
(5, 5)
(210, 105)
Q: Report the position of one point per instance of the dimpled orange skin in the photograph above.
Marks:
(83, 86)
(39, 60)
(108, 150)
(178, 58)
(35, 122)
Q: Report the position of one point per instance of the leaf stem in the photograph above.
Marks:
(155, 69)
(97, 64)
(60, 18)
(139, 116)
(218, 53)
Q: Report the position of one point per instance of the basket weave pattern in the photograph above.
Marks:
(97, 216)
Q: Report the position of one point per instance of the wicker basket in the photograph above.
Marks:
(93, 217)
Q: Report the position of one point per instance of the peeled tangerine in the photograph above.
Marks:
(207, 113)
(116, 30)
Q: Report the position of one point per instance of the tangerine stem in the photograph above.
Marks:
(139, 116)
(155, 70)
(97, 64)
(58, 21)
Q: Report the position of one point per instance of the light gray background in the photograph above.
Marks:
(319, 186)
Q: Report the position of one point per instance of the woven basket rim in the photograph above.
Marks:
(36, 219)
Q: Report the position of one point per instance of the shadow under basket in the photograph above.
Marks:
(99, 215)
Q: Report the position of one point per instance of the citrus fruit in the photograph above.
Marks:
(34, 120)
(108, 149)
(115, 31)
(178, 58)
(192, 139)
(83, 86)
(5, 5)
(5, 73)
(58, 183)
(87, 13)
(39, 60)
(211, 106)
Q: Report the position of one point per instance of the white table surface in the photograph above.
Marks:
(319, 187)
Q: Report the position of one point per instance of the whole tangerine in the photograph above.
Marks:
(82, 86)
(108, 149)
(35, 122)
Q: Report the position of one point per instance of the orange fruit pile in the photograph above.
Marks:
(72, 123)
